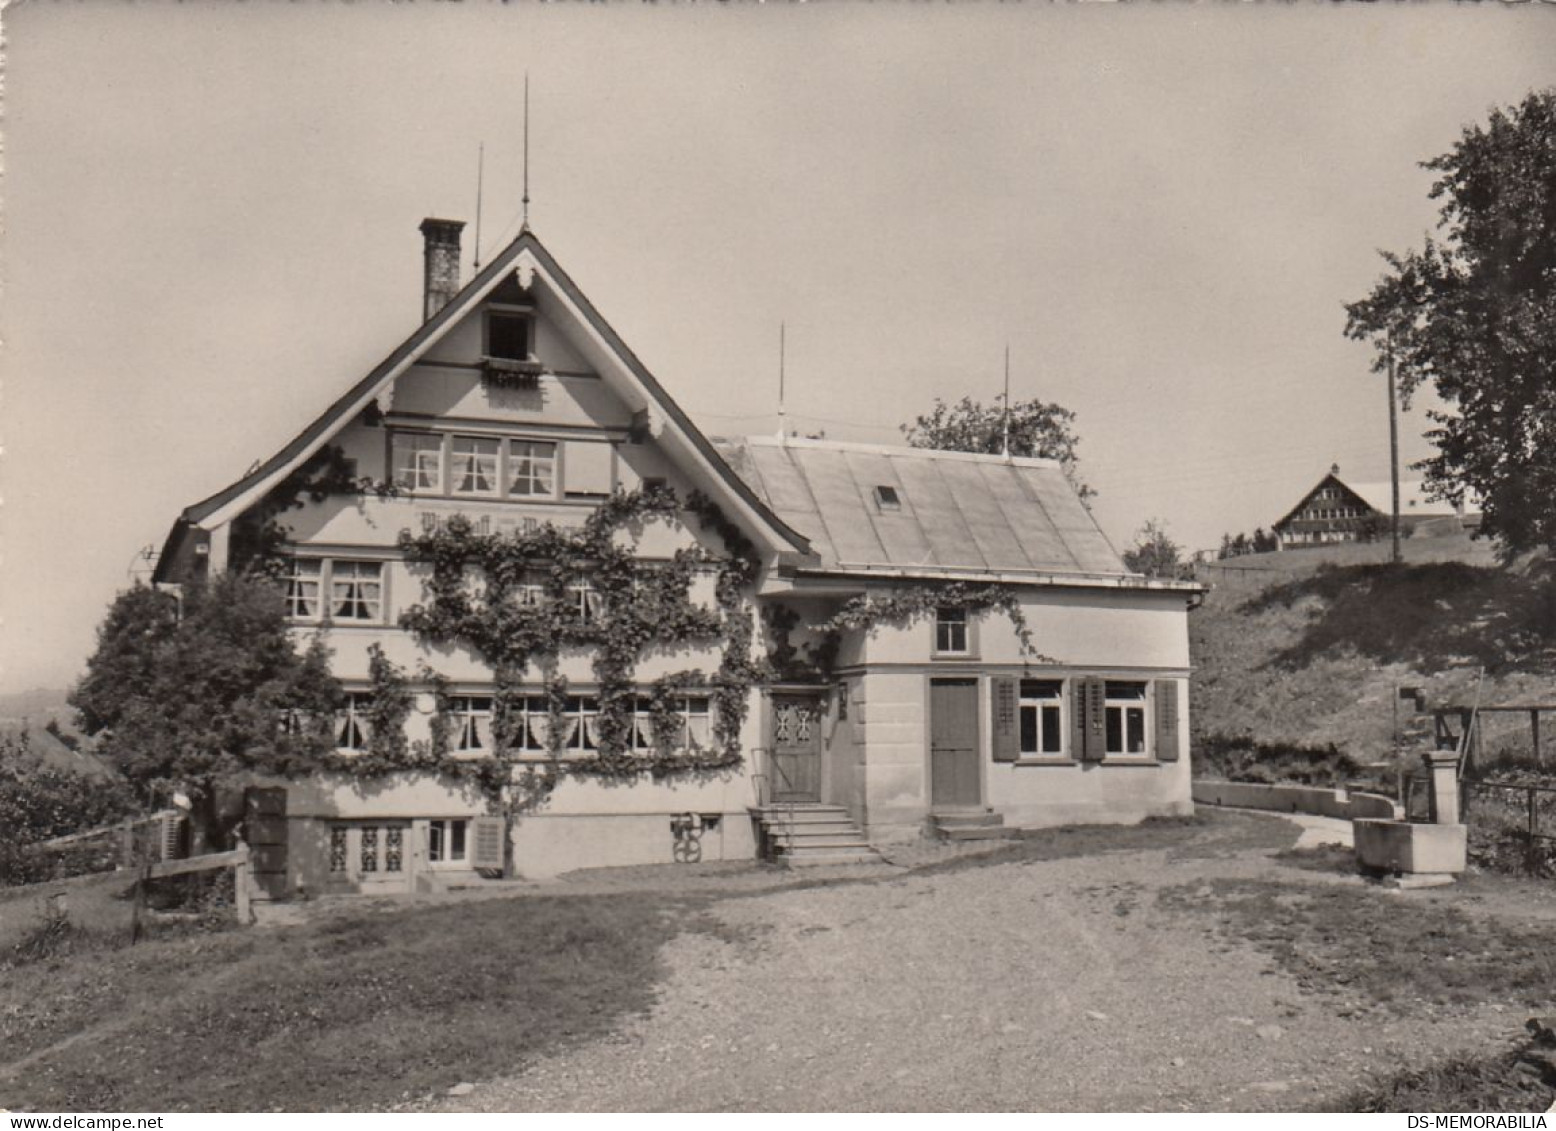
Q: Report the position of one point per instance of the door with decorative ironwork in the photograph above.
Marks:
(796, 748)
(371, 857)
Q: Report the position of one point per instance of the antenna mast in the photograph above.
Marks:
(480, 175)
(1005, 442)
(525, 225)
(783, 432)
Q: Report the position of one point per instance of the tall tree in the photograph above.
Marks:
(1154, 553)
(1473, 314)
(1036, 429)
(193, 697)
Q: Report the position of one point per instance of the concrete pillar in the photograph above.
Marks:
(1444, 768)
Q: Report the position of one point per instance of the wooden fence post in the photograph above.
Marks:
(1532, 856)
(240, 886)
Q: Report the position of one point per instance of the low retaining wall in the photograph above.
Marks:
(1296, 799)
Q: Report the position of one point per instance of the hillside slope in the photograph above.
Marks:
(1320, 658)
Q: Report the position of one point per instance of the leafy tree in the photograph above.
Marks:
(1036, 430)
(1154, 553)
(194, 698)
(39, 801)
(1473, 314)
(1263, 543)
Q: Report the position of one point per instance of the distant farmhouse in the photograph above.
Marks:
(1337, 511)
(704, 651)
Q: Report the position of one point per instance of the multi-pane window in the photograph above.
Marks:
(355, 590)
(351, 726)
(951, 630)
(475, 465)
(446, 841)
(1042, 717)
(472, 719)
(303, 578)
(531, 468)
(488, 467)
(507, 336)
(693, 727)
(586, 601)
(1124, 709)
(418, 461)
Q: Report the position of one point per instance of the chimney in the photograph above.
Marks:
(441, 275)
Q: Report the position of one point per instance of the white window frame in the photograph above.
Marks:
(587, 601)
(1041, 706)
(474, 465)
(322, 575)
(541, 475)
(965, 624)
(409, 475)
(351, 724)
(448, 842)
(696, 724)
(1121, 704)
(472, 724)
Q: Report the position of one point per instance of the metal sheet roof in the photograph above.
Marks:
(956, 510)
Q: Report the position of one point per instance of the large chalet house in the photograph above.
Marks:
(576, 632)
(1337, 510)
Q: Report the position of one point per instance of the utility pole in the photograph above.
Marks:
(1393, 448)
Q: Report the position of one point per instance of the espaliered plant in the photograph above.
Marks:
(520, 599)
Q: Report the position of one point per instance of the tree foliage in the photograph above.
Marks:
(1154, 553)
(1037, 429)
(39, 801)
(1473, 315)
(190, 699)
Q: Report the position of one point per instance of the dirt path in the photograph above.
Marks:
(1055, 985)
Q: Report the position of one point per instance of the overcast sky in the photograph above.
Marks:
(211, 214)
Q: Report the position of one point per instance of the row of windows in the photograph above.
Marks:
(579, 723)
(1313, 513)
(481, 467)
(1044, 718)
(343, 590)
(381, 849)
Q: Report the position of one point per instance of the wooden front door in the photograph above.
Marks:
(796, 748)
(953, 744)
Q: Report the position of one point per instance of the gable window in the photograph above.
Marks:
(446, 841)
(508, 335)
(951, 637)
(1042, 717)
(475, 465)
(351, 732)
(418, 461)
(1124, 711)
(531, 468)
(355, 590)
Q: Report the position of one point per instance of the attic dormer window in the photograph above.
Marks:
(509, 359)
(507, 335)
(887, 499)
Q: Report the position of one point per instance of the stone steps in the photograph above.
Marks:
(971, 826)
(800, 835)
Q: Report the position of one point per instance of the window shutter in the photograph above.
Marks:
(1077, 720)
(588, 467)
(486, 842)
(1166, 720)
(1093, 720)
(1007, 734)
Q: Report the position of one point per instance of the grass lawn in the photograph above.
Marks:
(348, 1013)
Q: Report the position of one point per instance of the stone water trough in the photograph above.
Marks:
(1420, 854)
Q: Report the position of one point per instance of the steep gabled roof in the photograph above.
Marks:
(1413, 500)
(526, 253)
(940, 512)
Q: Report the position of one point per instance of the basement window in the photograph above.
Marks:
(887, 499)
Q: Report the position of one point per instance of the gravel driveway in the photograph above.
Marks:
(1054, 985)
